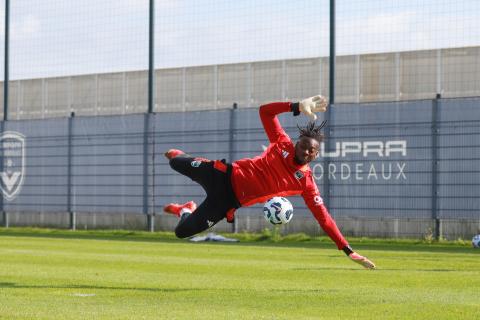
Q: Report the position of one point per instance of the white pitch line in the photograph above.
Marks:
(83, 294)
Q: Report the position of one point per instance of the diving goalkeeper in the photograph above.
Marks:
(282, 170)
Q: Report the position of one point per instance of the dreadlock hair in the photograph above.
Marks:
(312, 131)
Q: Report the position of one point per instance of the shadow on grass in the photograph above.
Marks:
(75, 235)
(328, 269)
(428, 270)
(379, 269)
(364, 244)
(22, 286)
(11, 285)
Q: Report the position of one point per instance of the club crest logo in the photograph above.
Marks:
(12, 166)
(299, 174)
(196, 163)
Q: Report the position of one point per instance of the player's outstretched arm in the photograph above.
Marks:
(320, 212)
(312, 105)
(355, 257)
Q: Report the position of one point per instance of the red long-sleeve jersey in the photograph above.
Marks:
(275, 173)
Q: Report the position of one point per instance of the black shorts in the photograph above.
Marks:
(214, 177)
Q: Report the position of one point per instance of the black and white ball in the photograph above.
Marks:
(278, 210)
(476, 241)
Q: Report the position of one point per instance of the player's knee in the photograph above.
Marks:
(179, 234)
(171, 162)
(174, 163)
(182, 232)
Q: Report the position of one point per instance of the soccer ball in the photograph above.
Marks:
(278, 210)
(476, 241)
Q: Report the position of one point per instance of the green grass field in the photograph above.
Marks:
(48, 274)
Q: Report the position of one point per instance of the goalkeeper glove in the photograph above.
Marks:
(355, 257)
(361, 260)
(313, 104)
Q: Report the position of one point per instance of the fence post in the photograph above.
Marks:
(71, 212)
(2, 200)
(5, 218)
(437, 232)
(332, 61)
(152, 218)
(150, 222)
(6, 76)
(331, 97)
(326, 150)
(146, 175)
(6, 83)
(151, 106)
(233, 114)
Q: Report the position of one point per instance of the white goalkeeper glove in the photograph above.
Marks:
(313, 104)
(361, 260)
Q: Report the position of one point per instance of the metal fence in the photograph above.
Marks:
(404, 160)
(129, 56)
(396, 76)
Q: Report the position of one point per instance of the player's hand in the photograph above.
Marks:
(313, 104)
(361, 260)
